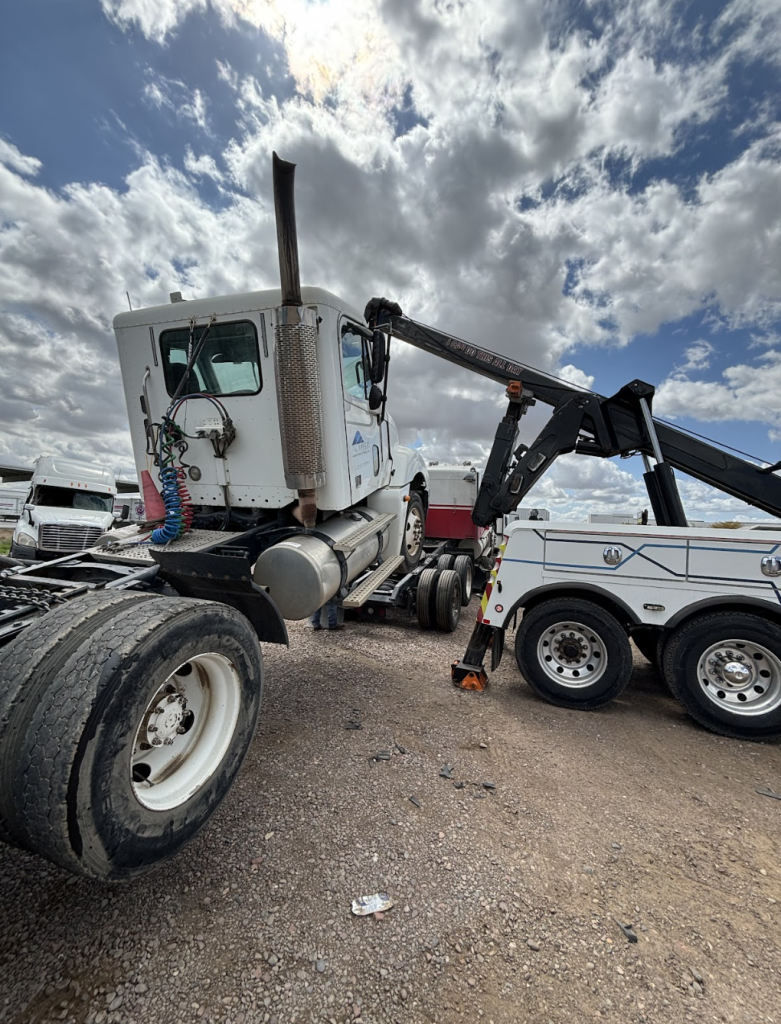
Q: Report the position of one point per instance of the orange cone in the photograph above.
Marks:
(153, 502)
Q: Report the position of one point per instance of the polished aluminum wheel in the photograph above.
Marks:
(572, 654)
(742, 675)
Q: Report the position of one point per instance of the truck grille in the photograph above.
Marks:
(59, 537)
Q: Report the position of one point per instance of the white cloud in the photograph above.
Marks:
(174, 95)
(11, 157)
(746, 392)
(154, 18)
(697, 356)
(576, 376)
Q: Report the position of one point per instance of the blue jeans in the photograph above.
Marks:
(333, 620)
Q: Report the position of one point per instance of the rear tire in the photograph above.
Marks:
(28, 664)
(425, 598)
(100, 799)
(448, 600)
(573, 653)
(726, 667)
(445, 561)
(465, 569)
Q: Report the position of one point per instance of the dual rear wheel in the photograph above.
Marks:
(124, 719)
(724, 667)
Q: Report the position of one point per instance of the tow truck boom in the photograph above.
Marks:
(586, 423)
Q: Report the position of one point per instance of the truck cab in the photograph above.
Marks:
(68, 506)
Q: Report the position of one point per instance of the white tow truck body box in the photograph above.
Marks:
(658, 575)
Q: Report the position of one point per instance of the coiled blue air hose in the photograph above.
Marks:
(174, 525)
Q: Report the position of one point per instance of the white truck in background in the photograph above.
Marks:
(68, 506)
(12, 501)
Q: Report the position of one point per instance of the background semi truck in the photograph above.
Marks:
(131, 676)
(67, 507)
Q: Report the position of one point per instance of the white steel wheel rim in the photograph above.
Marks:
(743, 676)
(572, 655)
(413, 532)
(185, 731)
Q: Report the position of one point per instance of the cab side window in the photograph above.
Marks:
(355, 365)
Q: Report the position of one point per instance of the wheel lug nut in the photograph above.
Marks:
(151, 728)
(157, 742)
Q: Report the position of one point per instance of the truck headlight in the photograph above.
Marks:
(24, 540)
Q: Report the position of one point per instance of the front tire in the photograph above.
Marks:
(414, 532)
(727, 672)
(573, 653)
(103, 797)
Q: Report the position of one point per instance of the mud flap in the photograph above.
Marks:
(497, 648)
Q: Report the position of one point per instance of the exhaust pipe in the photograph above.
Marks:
(287, 236)
(295, 360)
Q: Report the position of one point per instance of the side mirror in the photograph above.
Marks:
(378, 357)
(375, 398)
(125, 513)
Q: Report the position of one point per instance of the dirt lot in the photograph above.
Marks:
(505, 898)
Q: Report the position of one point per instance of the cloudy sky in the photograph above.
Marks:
(592, 187)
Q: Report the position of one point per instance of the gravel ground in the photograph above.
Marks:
(506, 898)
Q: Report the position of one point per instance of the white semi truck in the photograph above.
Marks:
(131, 676)
(69, 505)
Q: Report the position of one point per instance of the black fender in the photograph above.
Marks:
(224, 578)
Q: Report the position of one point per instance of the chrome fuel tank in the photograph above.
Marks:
(303, 572)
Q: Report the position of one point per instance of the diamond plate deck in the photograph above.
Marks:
(140, 554)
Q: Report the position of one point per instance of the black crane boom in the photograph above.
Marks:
(587, 423)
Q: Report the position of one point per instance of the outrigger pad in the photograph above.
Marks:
(468, 677)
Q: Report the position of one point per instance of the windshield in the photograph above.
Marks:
(228, 364)
(67, 497)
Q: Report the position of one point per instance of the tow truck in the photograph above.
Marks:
(131, 674)
(703, 604)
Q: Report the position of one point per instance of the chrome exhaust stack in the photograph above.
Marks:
(295, 360)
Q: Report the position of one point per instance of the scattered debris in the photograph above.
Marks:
(488, 785)
(459, 785)
(353, 725)
(446, 771)
(354, 721)
(374, 904)
(478, 794)
(414, 800)
(770, 793)
(627, 929)
(381, 755)
(401, 749)
(483, 746)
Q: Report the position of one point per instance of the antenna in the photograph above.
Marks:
(129, 306)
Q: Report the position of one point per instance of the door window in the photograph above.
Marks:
(356, 373)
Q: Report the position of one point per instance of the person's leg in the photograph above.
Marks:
(314, 620)
(333, 615)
